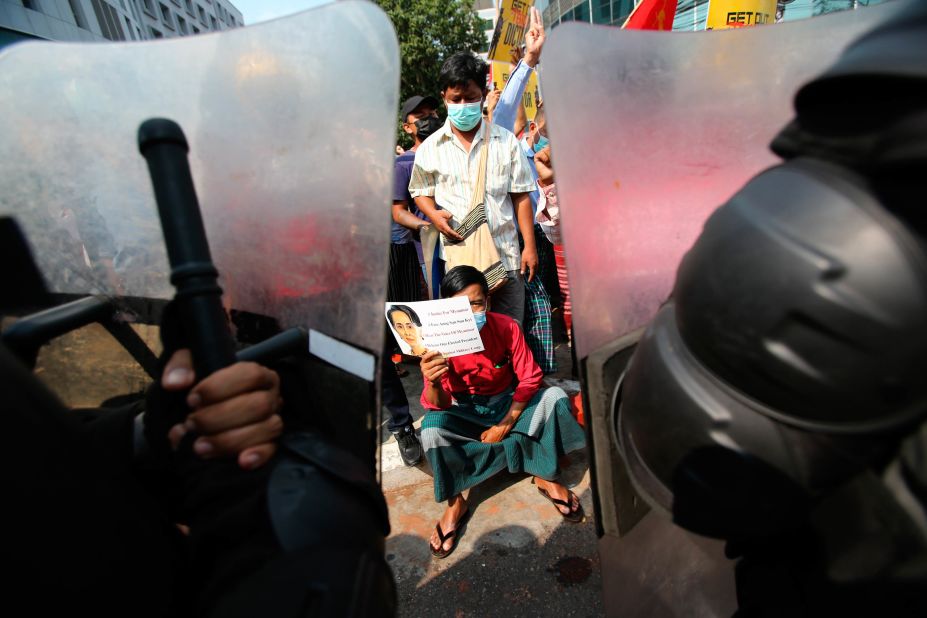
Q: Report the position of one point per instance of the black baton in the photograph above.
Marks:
(198, 296)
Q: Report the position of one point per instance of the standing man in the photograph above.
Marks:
(419, 119)
(445, 171)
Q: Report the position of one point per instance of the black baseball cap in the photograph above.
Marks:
(412, 102)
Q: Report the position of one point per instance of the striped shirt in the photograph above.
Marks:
(445, 171)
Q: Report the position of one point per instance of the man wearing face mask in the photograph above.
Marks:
(487, 412)
(419, 120)
(445, 169)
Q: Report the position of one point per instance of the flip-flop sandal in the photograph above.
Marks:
(442, 553)
(573, 516)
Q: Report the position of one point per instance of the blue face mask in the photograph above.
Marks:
(465, 116)
(541, 144)
(480, 318)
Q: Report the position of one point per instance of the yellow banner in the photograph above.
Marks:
(532, 94)
(510, 30)
(740, 13)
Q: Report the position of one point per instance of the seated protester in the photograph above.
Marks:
(488, 413)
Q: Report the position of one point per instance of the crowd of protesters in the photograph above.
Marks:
(485, 414)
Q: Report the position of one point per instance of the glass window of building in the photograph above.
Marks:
(166, 16)
(620, 11)
(581, 12)
(108, 18)
(78, 11)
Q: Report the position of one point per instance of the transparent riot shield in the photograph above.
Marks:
(291, 131)
(650, 133)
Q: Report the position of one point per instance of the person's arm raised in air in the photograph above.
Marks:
(506, 111)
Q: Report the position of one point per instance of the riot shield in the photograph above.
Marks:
(675, 124)
(291, 131)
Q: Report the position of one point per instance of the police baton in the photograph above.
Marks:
(198, 296)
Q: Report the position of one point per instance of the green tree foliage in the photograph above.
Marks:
(429, 32)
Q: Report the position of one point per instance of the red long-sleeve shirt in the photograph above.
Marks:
(505, 357)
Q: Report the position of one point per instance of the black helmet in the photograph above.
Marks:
(791, 354)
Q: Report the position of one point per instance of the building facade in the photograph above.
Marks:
(690, 14)
(604, 12)
(113, 20)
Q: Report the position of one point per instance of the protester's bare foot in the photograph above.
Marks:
(456, 509)
(559, 492)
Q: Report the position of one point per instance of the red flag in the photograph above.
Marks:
(652, 15)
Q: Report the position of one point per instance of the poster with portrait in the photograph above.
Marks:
(445, 325)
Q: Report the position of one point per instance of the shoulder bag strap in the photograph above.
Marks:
(479, 190)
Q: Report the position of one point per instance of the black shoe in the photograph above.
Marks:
(410, 449)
